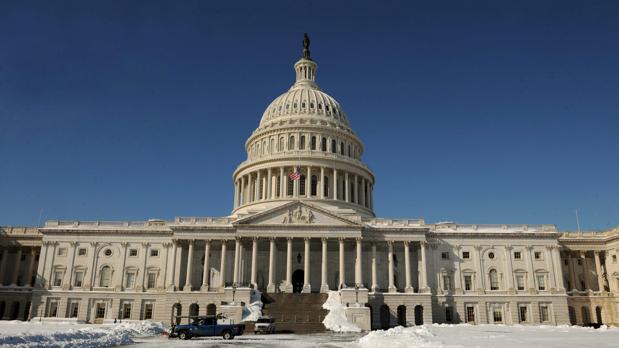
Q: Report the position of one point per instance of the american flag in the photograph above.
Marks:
(296, 174)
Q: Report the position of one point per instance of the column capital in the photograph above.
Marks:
(596, 252)
(583, 254)
(255, 238)
(147, 244)
(306, 239)
(359, 239)
(93, 244)
(167, 244)
(289, 239)
(390, 243)
(223, 241)
(478, 247)
(324, 239)
(550, 247)
(341, 239)
(406, 242)
(208, 240)
(124, 244)
(529, 247)
(508, 247)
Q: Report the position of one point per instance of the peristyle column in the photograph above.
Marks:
(324, 283)
(271, 285)
(189, 267)
(254, 257)
(207, 265)
(407, 268)
(307, 288)
(392, 287)
(342, 283)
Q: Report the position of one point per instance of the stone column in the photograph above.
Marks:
(235, 267)
(236, 193)
(358, 273)
(346, 187)
(269, 184)
(585, 267)
(295, 185)
(324, 282)
(282, 183)
(342, 283)
(374, 286)
(17, 267)
(5, 254)
(30, 269)
(121, 286)
(334, 184)
(531, 275)
(39, 280)
(392, 287)
(308, 182)
(259, 187)
(289, 264)
(254, 263)
(271, 285)
(307, 288)
(457, 273)
(321, 188)
(479, 273)
(423, 284)
(598, 270)
(509, 273)
(551, 268)
(222, 266)
(612, 283)
(188, 277)
(572, 270)
(556, 260)
(172, 286)
(363, 198)
(407, 268)
(206, 272)
(145, 246)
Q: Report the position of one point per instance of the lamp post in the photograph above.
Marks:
(357, 295)
(233, 293)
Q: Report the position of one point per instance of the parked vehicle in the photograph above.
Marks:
(264, 325)
(206, 326)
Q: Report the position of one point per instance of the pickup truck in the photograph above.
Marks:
(206, 326)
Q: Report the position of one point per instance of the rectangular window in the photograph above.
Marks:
(79, 278)
(130, 280)
(58, 275)
(53, 309)
(148, 311)
(466, 255)
(81, 252)
(154, 252)
(541, 284)
(565, 262)
(448, 314)
(445, 255)
(126, 311)
(302, 143)
(470, 314)
(468, 282)
(537, 255)
(543, 313)
(133, 252)
(614, 258)
(152, 280)
(579, 262)
(522, 314)
(520, 281)
(497, 315)
(446, 282)
(62, 251)
(100, 313)
(517, 255)
(74, 310)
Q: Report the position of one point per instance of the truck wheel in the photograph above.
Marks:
(184, 336)
(227, 335)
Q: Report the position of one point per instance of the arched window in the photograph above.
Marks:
(333, 146)
(401, 315)
(323, 146)
(586, 319)
(494, 279)
(302, 143)
(278, 187)
(281, 144)
(349, 153)
(313, 143)
(272, 148)
(302, 185)
(314, 186)
(291, 143)
(105, 276)
(325, 187)
(342, 148)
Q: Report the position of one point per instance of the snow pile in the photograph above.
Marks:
(336, 319)
(417, 336)
(85, 336)
(254, 310)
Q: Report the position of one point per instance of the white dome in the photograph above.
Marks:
(305, 98)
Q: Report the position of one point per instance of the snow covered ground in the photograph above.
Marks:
(147, 335)
(66, 334)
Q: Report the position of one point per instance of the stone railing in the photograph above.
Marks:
(491, 228)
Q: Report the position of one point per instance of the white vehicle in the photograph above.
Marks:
(264, 325)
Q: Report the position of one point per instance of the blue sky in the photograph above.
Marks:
(475, 112)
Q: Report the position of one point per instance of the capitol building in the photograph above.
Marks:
(303, 224)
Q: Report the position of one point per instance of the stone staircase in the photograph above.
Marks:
(298, 313)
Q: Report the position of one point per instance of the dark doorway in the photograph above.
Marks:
(598, 314)
(418, 315)
(385, 317)
(15, 311)
(211, 309)
(402, 315)
(194, 310)
(177, 309)
(297, 281)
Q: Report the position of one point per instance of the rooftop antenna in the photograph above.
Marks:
(577, 221)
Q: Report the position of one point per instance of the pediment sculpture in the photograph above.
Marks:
(299, 215)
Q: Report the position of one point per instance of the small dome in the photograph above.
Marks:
(305, 98)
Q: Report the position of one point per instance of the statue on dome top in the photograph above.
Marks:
(306, 44)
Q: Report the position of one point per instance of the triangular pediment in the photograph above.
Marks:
(297, 214)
